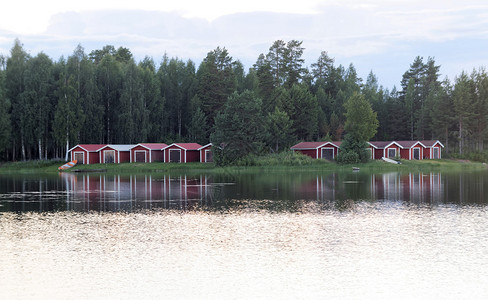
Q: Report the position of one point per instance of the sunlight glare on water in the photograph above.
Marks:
(382, 250)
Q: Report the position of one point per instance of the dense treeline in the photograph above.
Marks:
(105, 96)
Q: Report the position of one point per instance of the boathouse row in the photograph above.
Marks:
(193, 152)
(142, 152)
(408, 150)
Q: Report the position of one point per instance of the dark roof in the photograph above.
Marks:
(314, 145)
(430, 143)
(379, 144)
(186, 146)
(408, 144)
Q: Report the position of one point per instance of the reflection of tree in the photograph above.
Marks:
(253, 190)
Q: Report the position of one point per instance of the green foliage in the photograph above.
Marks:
(106, 97)
(279, 127)
(304, 113)
(361, 122)
(284, 158)
(198, 130)
(5, 125)
(239, 128)
(216, 82)
(353, 151)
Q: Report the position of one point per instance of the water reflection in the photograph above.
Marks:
(276, 191)
(126, 193)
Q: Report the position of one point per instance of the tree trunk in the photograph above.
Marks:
(67, 148)
(23, 149)
(39, 145)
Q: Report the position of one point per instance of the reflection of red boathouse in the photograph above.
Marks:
(411, 187)
(115, 192)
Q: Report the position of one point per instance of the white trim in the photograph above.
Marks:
(203, 147)
(84, 148)
(393, 143)
(372, 145)
(73, 155)
(327, 148)
(185, 156)
(438, 153)
(176, 145)
(372, 152)
(316, 148)
(205, 154)
(135, 155)
(388, 152)
(169, 155)
(118, 147)
(413, 152)
(104, 152)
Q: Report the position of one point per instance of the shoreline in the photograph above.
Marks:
(445, 165)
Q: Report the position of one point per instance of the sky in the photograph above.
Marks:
(382, 36)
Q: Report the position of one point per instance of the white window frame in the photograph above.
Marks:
(327, 148)
(438, 153)
(145, 155)
(388, 152)
(78, 152)
(413, 153)
(105, 153)
(371, 151)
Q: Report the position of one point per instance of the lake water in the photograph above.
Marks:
(347, 235)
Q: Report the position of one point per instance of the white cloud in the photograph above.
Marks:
(366, 33)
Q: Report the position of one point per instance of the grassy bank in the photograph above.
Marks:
(281, 162)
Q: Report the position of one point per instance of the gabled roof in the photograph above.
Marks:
(409, 144)
(89, 147)
(431, 143)
(152, 146)
(314, 145)
(118, 147)
(185, 146)
(203, 147)
(379, 144)
(393, 143)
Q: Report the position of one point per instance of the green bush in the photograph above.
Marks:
(353, 151)
(285, 158)
(348, 157)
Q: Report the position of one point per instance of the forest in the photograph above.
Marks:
(106, 96)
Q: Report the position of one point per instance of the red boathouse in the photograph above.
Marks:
(318, 150)
(114, 154)
(182, 152)
(206, 154)
(433, 149)
(147, 152)
(85, 153)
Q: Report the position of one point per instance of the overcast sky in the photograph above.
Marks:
(379, 35)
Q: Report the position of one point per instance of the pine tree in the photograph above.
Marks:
(239, 128)
(463, 105)
(14, 84)
(304, 113)
(5, 125)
